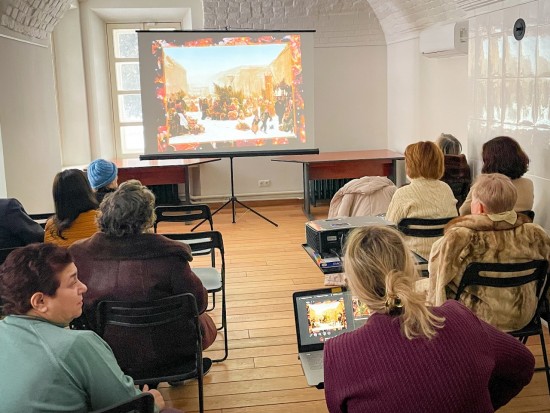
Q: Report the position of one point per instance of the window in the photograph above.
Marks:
(125, 84)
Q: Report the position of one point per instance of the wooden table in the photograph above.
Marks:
(159, 172)
(339, 165)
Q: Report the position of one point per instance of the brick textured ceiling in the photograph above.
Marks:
(397, 19)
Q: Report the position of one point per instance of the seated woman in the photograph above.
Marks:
(409, 357)
(103, 177)
(493, 233)
(426, 196)
(503, 155)
(125, 261)
(75, 209)
(16, 227)
(457, 171)
(45, 367)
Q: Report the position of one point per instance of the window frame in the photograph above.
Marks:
(116, 92)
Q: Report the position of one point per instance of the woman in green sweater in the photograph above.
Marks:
(45, 367)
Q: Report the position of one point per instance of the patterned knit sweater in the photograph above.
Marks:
(422, 198)
(84, 226)
(468, 367)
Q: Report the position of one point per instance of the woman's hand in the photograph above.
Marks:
(159, 400)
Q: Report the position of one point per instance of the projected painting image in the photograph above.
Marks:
(237, 92)
(326, 317)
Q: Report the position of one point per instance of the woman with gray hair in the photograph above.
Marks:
(127, 262)
(457, 171)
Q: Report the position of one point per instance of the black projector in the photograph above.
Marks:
(328, 235)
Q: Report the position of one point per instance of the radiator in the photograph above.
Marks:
(165, 194)
(324, 189)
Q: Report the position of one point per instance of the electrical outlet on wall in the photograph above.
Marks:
(264, 182)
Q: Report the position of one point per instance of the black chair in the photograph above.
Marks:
(184, 213)
(143, 403)
(537, 272)
(423, 227)
(176, 317)
(41, 218)
(213, 277)
(530, 214)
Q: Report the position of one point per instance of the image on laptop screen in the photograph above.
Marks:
(323, 314)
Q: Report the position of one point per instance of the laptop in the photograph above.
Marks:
(319, 316)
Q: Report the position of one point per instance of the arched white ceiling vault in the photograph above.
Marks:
(374, 21)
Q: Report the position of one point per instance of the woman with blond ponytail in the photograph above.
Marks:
(413, 358)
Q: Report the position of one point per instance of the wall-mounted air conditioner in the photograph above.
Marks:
(445, 40)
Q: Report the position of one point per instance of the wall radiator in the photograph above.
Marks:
(324, 189)
(165, 194)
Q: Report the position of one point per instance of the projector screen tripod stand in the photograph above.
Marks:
(233, 200)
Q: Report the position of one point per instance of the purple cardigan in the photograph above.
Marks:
(468, 367)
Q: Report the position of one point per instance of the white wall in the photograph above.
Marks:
(3, 189)
(444, 98)
(28, 115)
(426, 96)
(510, 82)
(71, 90)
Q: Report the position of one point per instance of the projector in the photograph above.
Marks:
(328, 235)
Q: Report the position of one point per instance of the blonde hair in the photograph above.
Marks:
(424, 160)
(381, 273)
(496, 192)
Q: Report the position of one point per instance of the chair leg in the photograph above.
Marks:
(213, 302)
(224, 327)
(545, 358)
(201, 390)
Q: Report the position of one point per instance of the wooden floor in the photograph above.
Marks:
(265, 264)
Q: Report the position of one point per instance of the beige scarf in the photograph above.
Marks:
(508, 216)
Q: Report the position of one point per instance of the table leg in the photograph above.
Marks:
(186, 185)
(307, 206)
(393, 175)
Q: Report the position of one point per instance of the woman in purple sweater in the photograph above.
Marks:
(413, 358)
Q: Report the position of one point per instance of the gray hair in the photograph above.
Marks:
(130, 210)
(496, 192)
(449, 144)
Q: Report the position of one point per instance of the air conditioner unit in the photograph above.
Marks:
(446, 40)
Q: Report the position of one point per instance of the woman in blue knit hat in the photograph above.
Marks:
(103, 177)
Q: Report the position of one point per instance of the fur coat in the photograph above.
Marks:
(476, 238)
(365, 196)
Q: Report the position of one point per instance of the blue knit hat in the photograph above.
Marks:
(101, 173)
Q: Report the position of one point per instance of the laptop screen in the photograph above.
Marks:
(323, 314)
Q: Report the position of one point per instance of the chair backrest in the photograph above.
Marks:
(170, 326)
(537, 271)
(423, 227)
(142, 403)
(41, 218)
(201, 242)
(183, 213)
(530, 214)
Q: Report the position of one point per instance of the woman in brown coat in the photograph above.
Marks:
(126, 262)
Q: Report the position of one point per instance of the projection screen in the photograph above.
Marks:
(231, 92)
